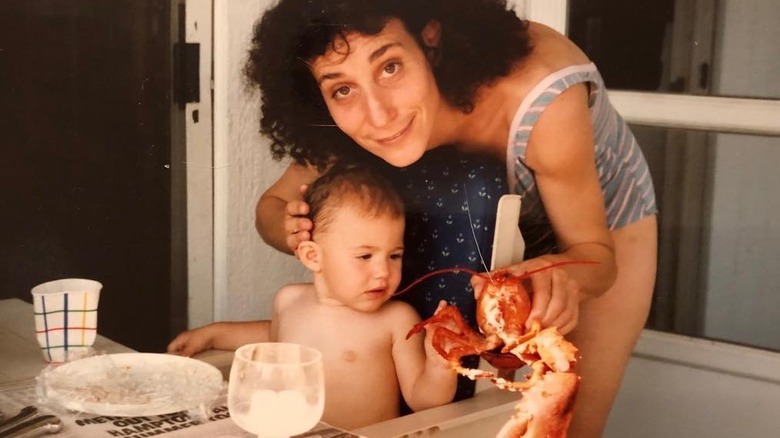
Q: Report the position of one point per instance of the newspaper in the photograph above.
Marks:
(211, 421)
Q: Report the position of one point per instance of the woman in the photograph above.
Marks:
(400, 78)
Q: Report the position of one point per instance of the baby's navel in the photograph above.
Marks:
(349, 356)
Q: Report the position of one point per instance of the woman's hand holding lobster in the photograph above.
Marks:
(555, 296)
(505, 303)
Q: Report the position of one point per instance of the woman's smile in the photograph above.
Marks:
(397, 137)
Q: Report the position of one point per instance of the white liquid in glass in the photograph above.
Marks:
(278, 414)
(276, 390)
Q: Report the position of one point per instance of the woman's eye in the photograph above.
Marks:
(398, 256)
(391, 68)
(341, 92)
(364, 256)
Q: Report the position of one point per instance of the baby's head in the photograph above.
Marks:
(356, 187)
(357, 240)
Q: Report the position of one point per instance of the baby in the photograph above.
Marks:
(355, 258)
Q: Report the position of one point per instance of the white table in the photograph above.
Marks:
(20, 354)
(674, 386)
(21, 362)
(21, 359)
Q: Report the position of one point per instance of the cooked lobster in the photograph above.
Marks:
(503, 306)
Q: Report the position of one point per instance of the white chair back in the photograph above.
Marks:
(508, 248)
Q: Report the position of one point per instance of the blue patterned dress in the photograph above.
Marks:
(451, 201)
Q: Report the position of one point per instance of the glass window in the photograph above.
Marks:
(703, 47)
(719, 236)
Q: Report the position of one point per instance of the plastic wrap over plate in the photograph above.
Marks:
(131, 384)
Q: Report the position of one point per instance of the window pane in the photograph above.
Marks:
(719, 237)
(703, 47)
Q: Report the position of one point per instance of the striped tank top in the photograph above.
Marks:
(623, 172)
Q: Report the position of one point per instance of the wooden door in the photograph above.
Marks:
(85, 171)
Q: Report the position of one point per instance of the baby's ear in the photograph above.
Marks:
(309, 253)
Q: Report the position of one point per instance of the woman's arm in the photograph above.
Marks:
(278, 214)
(562, 156)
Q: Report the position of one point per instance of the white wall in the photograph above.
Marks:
(742, 298)
(247, 272)
(680, 387)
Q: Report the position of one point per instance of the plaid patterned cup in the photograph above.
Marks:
(66, 317)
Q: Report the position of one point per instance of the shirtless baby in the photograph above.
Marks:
(355, 258)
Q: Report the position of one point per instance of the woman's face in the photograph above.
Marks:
(382, 93)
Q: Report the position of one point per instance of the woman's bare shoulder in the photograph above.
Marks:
(552, 51)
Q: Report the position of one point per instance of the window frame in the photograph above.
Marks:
(714, 113)
(717, 114)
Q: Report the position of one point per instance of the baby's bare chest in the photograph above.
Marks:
(344, 338)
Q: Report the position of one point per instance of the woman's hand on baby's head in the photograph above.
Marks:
(297, 226)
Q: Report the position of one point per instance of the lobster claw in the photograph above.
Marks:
(503, 361)
(503, 307)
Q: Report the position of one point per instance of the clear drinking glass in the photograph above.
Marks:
(276, 390)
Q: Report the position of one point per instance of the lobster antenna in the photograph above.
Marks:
(474, 235)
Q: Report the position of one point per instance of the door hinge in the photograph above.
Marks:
(186, 66)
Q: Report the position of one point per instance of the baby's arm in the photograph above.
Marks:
(230, 335)
(425, 378)
(220, 336)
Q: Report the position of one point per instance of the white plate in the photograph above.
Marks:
(132, 384)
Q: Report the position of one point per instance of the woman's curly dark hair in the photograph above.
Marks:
(481, 40)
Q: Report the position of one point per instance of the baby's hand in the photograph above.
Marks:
(430, 352)
(191, 342)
